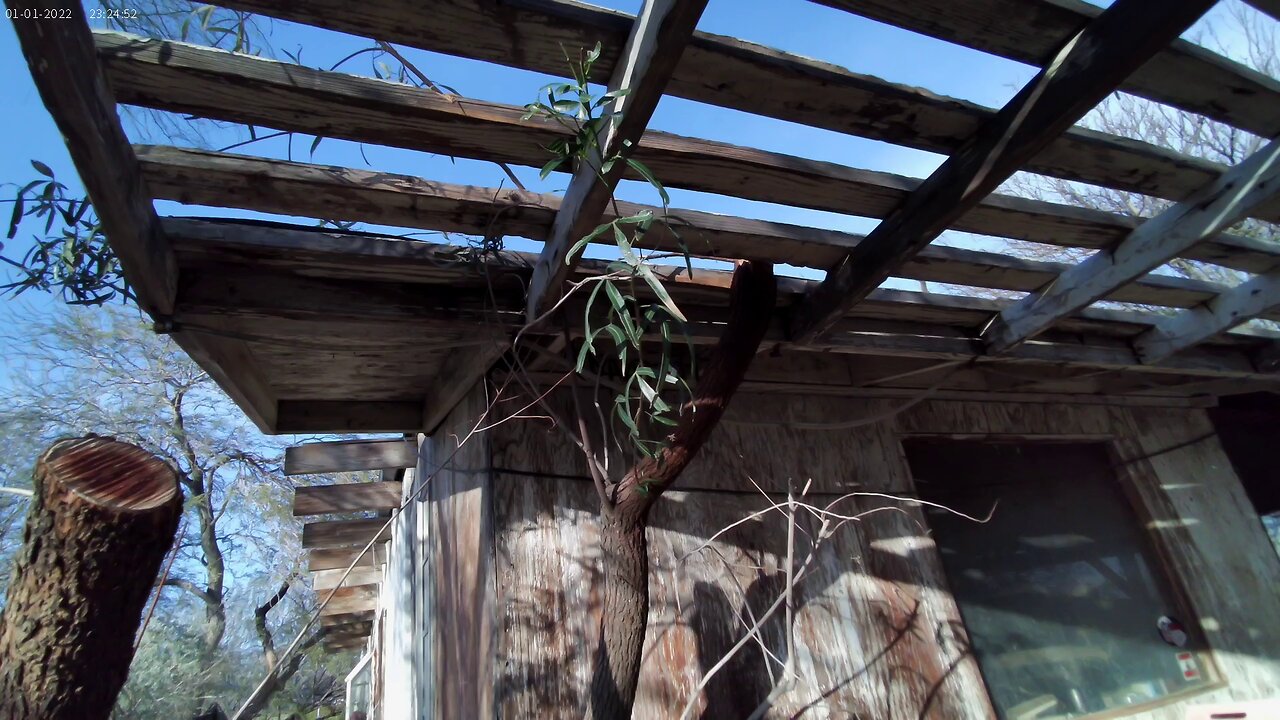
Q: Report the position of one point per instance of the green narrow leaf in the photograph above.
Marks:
(550, 167)
(648, 175)
(19, 206)
(615, 298)
(42, 169)
(661, 291)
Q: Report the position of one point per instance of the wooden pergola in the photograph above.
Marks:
(312, 330)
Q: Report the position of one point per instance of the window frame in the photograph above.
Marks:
(1129, 471)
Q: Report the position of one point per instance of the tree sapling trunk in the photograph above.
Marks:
(102, 518)
(625, 602)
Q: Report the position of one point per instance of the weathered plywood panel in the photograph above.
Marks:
(878, 634)
(755, 435)
(461, 548)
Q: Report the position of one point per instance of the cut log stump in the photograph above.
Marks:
(102, 518)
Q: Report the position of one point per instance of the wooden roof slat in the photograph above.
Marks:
(1155, 242)
(730, 72)
(343, 533)
(1184, 75)
(302, 299)
(329, 579)
(341, 558)
(1085, 71)
(251, 293)
(220, 85)
(347, 497)
(349, 456)
(367, 196)
(349, 600)
(1188, 328)
(60, 54)
(654, 46)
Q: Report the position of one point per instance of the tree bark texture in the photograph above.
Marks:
(625, 601)
(102, 518)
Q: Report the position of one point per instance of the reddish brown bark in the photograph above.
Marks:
(102, 518)
(625, 602)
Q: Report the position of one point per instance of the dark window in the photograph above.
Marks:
(1061, 596)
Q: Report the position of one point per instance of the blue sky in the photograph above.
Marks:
(793, 25)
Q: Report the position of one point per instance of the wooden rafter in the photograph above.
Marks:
(918, 324)
(1183, 74)
(349, 456)
(1155, 242)
(348, 600)
(341, 558)
(1188, 328)
(729, 72)
(329, 534)
(656, 42)
(329, 579)
(1088, 67)
(348, 497)
(217, 179)
(209, 83)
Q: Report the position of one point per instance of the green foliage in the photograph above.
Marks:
(624, 317)
(69, 254)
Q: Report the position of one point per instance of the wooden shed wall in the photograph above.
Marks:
(460, 541)
(879, 635)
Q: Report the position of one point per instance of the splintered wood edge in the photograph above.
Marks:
(110, 473)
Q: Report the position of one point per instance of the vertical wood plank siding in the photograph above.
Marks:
(461, 544)
(878, 634)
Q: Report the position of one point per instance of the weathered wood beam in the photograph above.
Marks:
(348, 497)
(347, 618)
(348, 600)
(210, 83)
(461, 370)
(341, 558)
(60, 54)
(357, 195)
(349, 456)
(1256, 296)
(655, 45)
(1213, 209)
(730, 72)
(1087, 68)
(1184, 74)
(328, 534)
(302, 302)
(338, 416)
(347, 631)
(328, 579)
(344, 645)
(231, 364)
